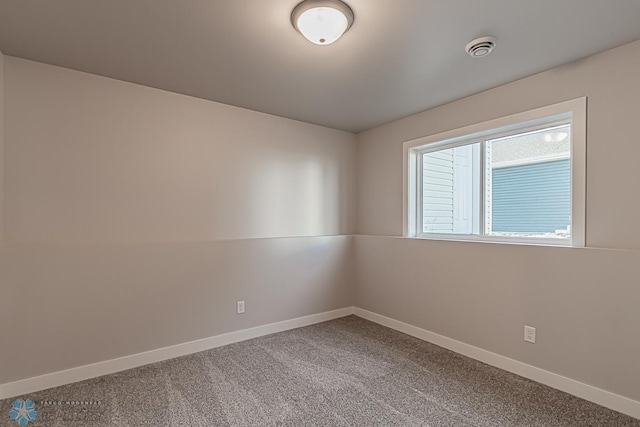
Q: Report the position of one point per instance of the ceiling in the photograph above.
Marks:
(400, 56)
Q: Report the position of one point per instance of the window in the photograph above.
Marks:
(517, 179)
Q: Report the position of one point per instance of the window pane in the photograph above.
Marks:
(528, 184)
(450, 190)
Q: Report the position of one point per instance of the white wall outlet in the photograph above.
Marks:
(240, 307)
(530, 334)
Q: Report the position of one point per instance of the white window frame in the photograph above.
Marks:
(572, 111)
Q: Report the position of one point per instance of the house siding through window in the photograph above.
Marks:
(532, 197)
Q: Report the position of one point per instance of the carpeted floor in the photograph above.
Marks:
(346, 372)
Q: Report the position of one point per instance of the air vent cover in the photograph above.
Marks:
(481, 47)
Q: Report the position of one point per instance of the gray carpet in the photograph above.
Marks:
(346, 372)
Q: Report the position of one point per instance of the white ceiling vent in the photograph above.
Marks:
(481, 47)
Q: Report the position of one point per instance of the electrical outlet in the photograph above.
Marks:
(530, 334)
(240, 307)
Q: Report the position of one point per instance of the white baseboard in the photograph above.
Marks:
(601, 397)
(55, 379)
(593, 394)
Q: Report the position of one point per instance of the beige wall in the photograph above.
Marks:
(1, 147)
(67, 307)
(92, 160)
(136, 218)
(584, 302)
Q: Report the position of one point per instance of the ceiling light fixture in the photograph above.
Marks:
(481, 47)
(322, 21)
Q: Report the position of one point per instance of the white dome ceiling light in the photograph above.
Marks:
(322, 21)
(481, 47)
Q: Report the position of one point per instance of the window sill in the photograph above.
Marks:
(563, 243)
